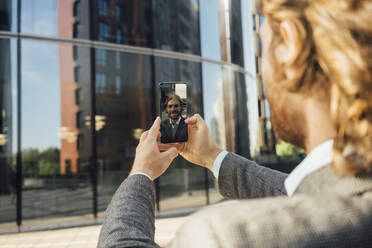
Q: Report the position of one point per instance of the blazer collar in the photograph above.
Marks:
(320, 156)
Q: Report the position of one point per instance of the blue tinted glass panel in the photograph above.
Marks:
(124, 109)
(8, 133)
(253, 114)
(236, 33)
(8, 15)
(56, 150)
(176, 26)
(39, 17)
(210, 29)
(213, 102)
(183, 184)
(101, 57)
(248, 37)
(65, 19)
(102, 7)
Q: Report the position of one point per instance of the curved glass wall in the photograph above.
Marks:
(160, 24)
(85, 75)
(183, 184)
(8, 133)
(124, 109)
(210, 33)
(214, 115)
(8, 15)
(55, 141)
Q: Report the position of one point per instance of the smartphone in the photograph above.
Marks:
(173, 111)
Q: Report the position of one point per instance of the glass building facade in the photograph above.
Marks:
(78, 86)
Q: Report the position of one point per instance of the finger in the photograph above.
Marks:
(195, 119)
(169, 155)
(153, 132)
(143, 136)
(159, 135)
(190, 121)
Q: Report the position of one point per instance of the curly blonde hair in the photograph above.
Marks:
(335, 59)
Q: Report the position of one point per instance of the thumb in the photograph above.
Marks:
(170, 154)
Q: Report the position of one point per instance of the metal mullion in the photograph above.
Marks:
(94, 167)
(19, 157)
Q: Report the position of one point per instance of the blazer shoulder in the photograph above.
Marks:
(298, 221)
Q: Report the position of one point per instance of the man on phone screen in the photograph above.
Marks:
(173, 129)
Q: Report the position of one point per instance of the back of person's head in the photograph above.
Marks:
(335, 58)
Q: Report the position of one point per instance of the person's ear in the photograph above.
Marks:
(289, 50)
(292, 42)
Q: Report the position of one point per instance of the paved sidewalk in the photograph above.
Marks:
(81, 237)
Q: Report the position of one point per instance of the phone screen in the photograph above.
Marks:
(173, 112)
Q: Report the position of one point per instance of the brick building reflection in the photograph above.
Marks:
(122, 83)
(69, 107)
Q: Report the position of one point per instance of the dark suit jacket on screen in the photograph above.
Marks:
(325, 211)
(166, 132)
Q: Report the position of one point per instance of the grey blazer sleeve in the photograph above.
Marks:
(129, 220)
(242, 178)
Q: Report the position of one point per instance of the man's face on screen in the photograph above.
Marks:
(173, 109)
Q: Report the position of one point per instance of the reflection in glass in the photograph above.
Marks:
(236, 112)
(101, 56)
(236, 33)
(213, 102)
(176, 26)
(100, 83)
(118, 13)
(103, 32)
(248, 35)
(56, 100)
(77, 8)
(39, 17)
(117, 60)
(8, 15)
(123, 22)
(214, 115)
(241, 116)
(231, 31)
(102, 7)
(209, 29)
(7, 134)
(118, 85)
(55, 141)
(253, 115)
(168, 25)
(183, 184)
(124, 108)
(72, 17)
